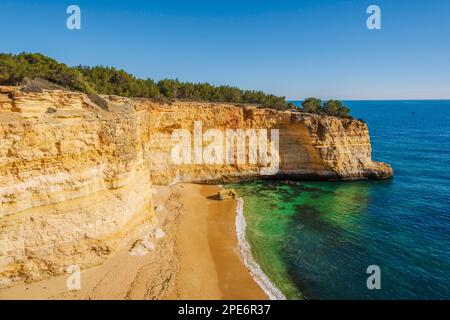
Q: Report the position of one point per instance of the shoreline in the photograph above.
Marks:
(245, 248)
(192, 252)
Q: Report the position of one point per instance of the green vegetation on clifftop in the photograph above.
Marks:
(18, 69)
(331, 107)
(37, 71)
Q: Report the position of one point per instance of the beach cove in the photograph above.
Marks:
(93, 189)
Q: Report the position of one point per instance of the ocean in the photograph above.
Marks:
(315, 240)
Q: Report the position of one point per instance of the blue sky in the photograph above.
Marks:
(293, 48)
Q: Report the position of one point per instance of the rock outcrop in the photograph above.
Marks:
(76, 179)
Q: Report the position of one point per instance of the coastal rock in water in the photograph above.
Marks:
(77, 182)
(227, 194)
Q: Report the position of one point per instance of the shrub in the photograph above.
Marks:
(37, 85)
(102, 103)
(331, 107)
(312, 105)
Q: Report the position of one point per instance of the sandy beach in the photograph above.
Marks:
(191, 253)
(215, 271)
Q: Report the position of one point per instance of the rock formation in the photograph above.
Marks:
(76, 179)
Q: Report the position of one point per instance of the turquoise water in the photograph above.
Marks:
(316, 239)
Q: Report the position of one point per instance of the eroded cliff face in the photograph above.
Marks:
(75, 179)
(310, 146)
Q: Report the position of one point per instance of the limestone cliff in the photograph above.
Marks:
(75, 179)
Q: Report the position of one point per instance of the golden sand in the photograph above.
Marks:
(198, 257)
(210, 263)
